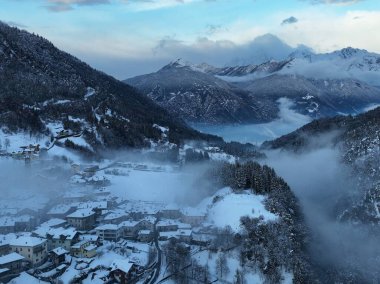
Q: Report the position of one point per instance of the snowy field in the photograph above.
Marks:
(230, 207)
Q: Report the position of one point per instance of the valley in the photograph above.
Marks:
(189, 142)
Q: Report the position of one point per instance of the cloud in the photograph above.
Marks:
(67, 5)
(358, 29)
(147, 5)
(289, 21)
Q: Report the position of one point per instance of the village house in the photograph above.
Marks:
(58, 255)
(82, 219)
(192, 217)
(12, 262)
(182, 235)
(60, 211)
(115, 216)
(83, 249)
(109, 232)
(123, 271)
(166, 226)
(129, 229)
(54, 223)
(32, 248)
(4, 247)
(92, 238)
(58, 237)
(145, 236)
(97, 206)
(12, 224)
(170, 211)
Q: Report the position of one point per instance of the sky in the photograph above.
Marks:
(125, 38)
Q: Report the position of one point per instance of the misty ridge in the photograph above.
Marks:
(326, 187)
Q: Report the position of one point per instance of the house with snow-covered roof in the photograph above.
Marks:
(129, 229)
(32, 248)
(192, 216)
(54, 223)
(58, 255)
(12, 224)
(82, 219)
(60, 211)
(122, 270)
(182, 235)
(115, 216)
(109, 232)
(12, 261)
(171, 211)
(58, 237)
(83, 249)
(145, 236)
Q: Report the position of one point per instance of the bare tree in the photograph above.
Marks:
(221, 265)
(239, 277)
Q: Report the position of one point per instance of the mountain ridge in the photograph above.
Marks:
(41, 84)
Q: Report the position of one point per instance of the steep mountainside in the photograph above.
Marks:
(347, 223)
(199, 97)
(41, 85)
(358, 141)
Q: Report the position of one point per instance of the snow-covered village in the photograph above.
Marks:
(115, 221)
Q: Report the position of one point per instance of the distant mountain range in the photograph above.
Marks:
(344, 81)
(41, 85)
(200, 97)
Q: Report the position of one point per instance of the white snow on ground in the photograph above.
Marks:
(16, 140)
(90, 92)
(230, 207)
(60, 102)
(54, 126)
(148, 185)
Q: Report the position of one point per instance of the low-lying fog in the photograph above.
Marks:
(288, 121)
(319, 180)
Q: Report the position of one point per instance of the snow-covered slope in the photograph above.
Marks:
(345, 63)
